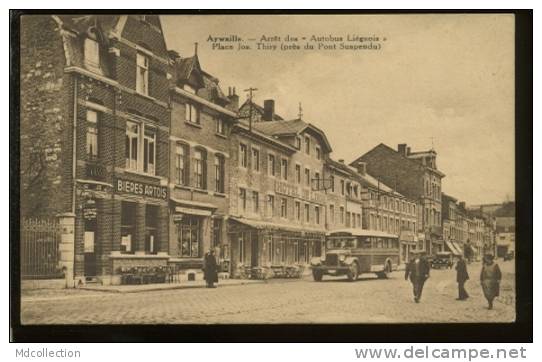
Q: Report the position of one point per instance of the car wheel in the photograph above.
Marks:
(317, 275)
(353, 272)
(384, 274)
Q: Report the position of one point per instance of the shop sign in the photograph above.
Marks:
(89, 213)
(141, 189)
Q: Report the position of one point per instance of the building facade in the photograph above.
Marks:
(416, 176)
(104, 145)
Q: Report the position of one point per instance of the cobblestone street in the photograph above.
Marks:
(368, 300)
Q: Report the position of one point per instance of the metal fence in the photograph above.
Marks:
(39, 249)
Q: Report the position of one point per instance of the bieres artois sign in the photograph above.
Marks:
(141, 189)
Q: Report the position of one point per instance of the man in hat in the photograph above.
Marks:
(210, 272)
(418, 270)
(462, 277)
(490, 278)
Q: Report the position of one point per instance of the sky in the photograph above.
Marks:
(443, 81)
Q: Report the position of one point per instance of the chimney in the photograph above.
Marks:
(234, 100)
(462, 204)
(341, 160)
(402, 148)
(268, 109)
(361, 167)
(173, 55)
(408, 151)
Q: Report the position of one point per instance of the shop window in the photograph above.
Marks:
(151, 226)
(189, 237)
(256, 159)
(92, 134)
(149, 150)
(181, 164)
(92, 54)
(128, 222)
(142, 74)
(271, 165)
(219, 173)
(243, 155)
(191, 113)
(200, 166)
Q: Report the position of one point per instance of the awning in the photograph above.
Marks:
(190, 211)
(261, 225)
(193, 204)
(453, 248)
(459, 247)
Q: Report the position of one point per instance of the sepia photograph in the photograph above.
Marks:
(269, 169)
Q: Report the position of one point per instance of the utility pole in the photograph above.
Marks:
(300, 113)
(250, 95)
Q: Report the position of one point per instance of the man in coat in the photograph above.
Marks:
(418, 270)
(490, 278)
(210, 269)
(462, 277)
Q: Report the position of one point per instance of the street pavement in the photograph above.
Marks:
(334, 300)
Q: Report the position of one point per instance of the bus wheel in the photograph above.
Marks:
(353, 272)
(317, 275)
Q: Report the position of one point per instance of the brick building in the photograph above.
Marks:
(417, 177)
(277, 216)
(201, 123)
(94, 135)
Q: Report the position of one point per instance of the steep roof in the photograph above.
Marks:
(81, 23)
(259, 109)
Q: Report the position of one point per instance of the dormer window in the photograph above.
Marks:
(92, 54)
(191, 113)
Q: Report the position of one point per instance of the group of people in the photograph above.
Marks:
(418, 271)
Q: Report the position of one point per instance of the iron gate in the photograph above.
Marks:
(39, 249)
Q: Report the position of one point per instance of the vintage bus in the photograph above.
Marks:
(352, 252)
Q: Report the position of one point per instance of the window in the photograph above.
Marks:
(348, 219)
(151, 225)
(283, 208)
(242, 199)
(216, 232)
(271, 165)
(317, 177)
(317, 215)
(191, 113)
(298, 173)
(284, 168)
(220, 129)
(298, 143)
(307, 177)
(181, 164)
(332, 183)
(243, 156)
(341, 214)
(149, 150)
(132, 140)
(307, 213)
(219, 173)
(307, 145)
(270, 205)
(200, 165)
(332, 213)
(92, 53)
(92, 134)
(142, 75)
(318, 153)
(127, 227)
(348, 189)
(359, 220)
(189, 236)
(256, 159)
(297, 210)
(342, 187)
(255, 202)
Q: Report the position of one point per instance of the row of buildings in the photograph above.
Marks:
(147, 162)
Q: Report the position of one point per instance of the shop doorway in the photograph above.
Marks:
(89, 242)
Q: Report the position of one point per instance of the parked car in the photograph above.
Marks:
(443, 259)
(509, 256)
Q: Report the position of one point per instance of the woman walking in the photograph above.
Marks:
(490, 278)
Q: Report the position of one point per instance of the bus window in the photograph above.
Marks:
(365, 242)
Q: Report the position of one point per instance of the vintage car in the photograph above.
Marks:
(444, 259)
(351, 252)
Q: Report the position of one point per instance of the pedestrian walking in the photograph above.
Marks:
(418, 271)
(210, 272)
(490, 278)
(462, 277)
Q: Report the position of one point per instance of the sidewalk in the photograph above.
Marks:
(165, 286)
